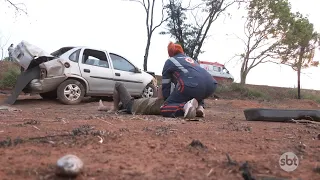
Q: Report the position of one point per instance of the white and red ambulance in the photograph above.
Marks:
(217, 70)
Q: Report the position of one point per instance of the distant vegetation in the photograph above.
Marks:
(267, 93)
(9, 72)
(257, 92)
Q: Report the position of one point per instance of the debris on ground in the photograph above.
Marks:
(31, 122)
(69, 166)
(82, 130)
(7, 108)
(230, 161)
(8, 142)
(246, 172)
(197, 144)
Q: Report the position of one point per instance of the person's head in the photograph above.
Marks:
(174, 49)
(11, 45)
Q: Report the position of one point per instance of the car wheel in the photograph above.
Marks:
(70, 92)
(49, 95)
(149, 91)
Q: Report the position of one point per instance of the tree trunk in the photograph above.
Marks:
(243, 72)
(299, 73)
(243, 78)
(299, 69)
(146, 54)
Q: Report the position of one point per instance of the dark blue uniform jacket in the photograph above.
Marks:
(184, 72)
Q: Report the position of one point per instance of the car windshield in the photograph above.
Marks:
(225, 70)
(61, 51)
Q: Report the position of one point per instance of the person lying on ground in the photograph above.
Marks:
(193, 84)
(123, 101)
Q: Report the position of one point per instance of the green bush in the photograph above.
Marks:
(9, 77)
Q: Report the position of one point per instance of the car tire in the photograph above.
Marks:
(70, 92)
(150, 91)
(49, 95)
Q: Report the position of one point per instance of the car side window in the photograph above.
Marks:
(75, 56)
(216, 69)
(119, 63)
(95, 58)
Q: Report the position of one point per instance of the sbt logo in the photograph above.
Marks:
(289, 161)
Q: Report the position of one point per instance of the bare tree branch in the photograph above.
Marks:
(17, 7)
(149, 8)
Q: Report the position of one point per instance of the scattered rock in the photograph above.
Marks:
(31, 122)
(197, 144)
(69, 165)
(317, 169)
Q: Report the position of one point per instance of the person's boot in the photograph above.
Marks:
(190, 109)
(200, 111)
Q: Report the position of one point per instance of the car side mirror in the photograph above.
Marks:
(137, 70)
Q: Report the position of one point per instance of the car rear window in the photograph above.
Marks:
(61, 51)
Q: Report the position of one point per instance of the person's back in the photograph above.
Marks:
(189, 71)
(147, 106)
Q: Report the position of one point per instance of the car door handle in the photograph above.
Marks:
(86, 70)
(117, 74)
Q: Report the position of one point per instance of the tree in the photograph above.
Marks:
(149, 8)
(299, 45)
(191, 35)
(264, 28)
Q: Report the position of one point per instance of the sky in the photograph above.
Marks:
(118, 26)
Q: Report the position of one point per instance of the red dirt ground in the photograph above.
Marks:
(152, 147)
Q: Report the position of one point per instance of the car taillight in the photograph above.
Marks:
(43, 73)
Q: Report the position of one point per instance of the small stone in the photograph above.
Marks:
(69, 165)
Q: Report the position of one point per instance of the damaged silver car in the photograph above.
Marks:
(72, 73)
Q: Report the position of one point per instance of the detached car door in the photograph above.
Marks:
(127, 73)
(96, 69)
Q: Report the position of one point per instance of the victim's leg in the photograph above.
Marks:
(116, 99)
(179, 105)
(123, 96)
(160, 96)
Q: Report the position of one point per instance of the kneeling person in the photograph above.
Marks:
(145, 106)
